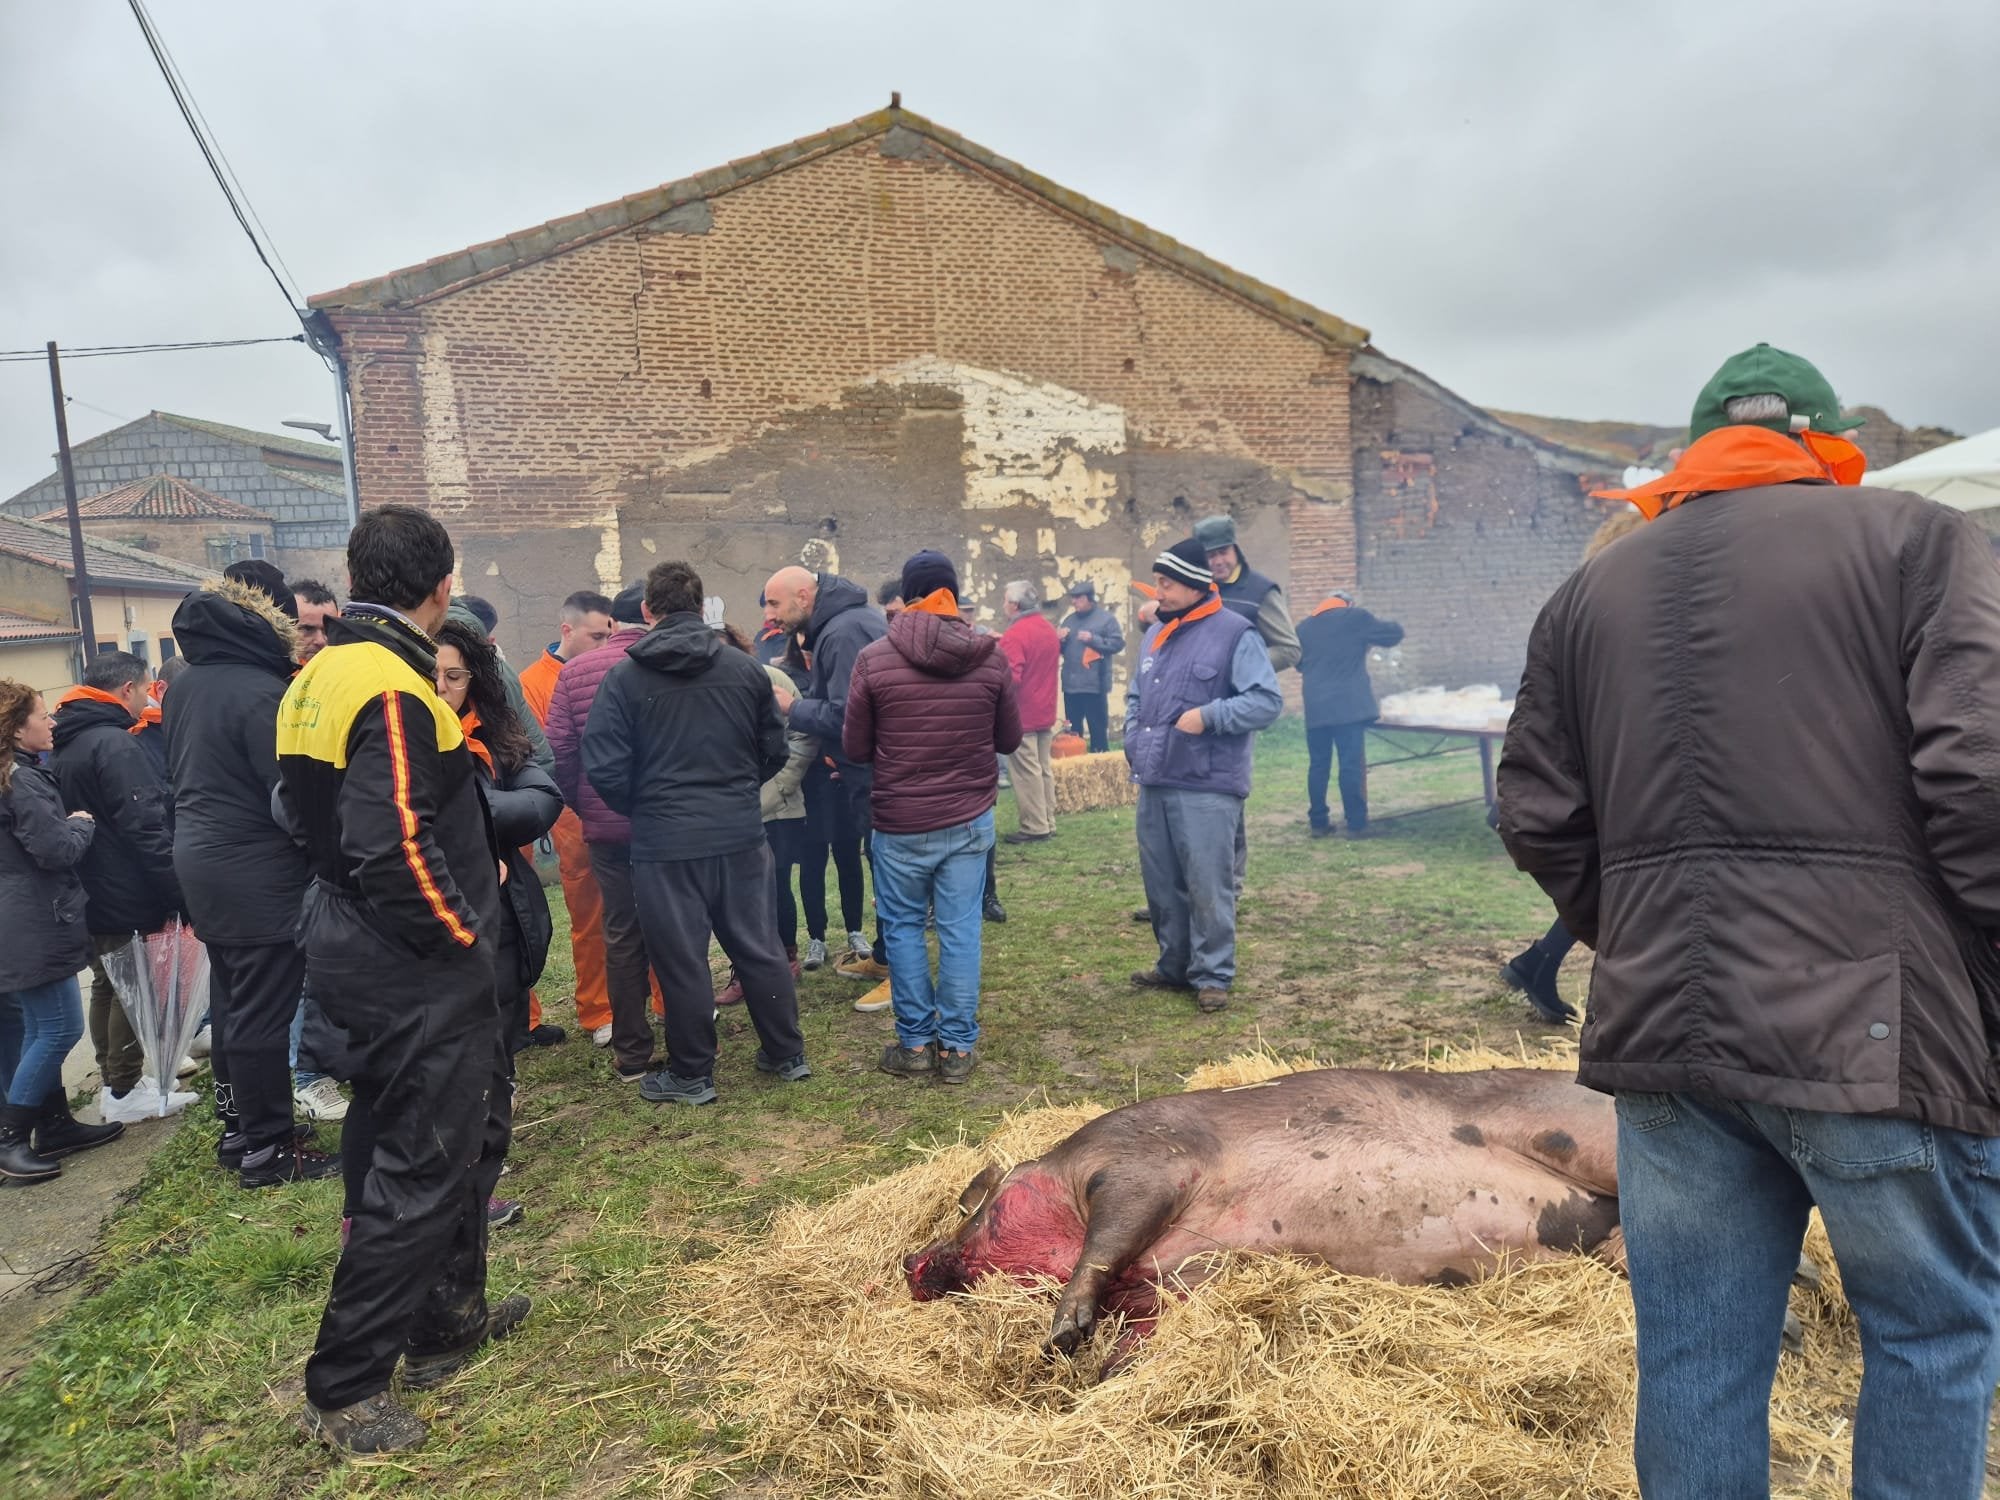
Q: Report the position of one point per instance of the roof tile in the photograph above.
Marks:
(159, 497)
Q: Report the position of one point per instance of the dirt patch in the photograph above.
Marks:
(1394, 872)
(787, 1148)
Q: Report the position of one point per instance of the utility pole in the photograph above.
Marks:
(84, 618)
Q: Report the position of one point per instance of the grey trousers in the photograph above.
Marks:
(1187, 857)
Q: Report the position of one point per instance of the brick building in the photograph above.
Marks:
(295, 484)
(175, 519)
(874, 339)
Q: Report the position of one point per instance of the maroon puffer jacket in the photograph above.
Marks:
(569, 711)
(930, 705)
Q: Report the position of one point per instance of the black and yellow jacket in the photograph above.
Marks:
(378, 781)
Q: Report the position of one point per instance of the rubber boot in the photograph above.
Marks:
(58, 1133)
(18, 1158)
(1534, 975)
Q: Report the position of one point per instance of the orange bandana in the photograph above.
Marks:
(1742, 458)
(1212, 605)
(939, 602)
(1145, 588)
(469, 722)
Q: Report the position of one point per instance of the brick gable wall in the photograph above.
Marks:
(883, 348)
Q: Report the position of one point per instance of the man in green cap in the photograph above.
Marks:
(1755, 762)
(1247, 592)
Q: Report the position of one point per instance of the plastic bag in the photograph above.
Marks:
(162, 982)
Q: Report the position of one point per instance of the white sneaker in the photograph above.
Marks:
(601, 1035)
(200, 1045)
(140, 1102)
(320, 1100)
(857, 944)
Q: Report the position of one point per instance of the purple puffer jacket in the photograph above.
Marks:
(569, 710)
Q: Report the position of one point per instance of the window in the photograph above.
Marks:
(169, 649)
(140, 647)
(256, 541)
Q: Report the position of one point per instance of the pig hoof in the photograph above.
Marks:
(1066, 1336)
(1795, 1333)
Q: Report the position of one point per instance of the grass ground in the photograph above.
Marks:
(180, 1373)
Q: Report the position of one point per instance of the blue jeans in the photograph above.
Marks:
(37, 1029)
(944, 869)
(1713, 1196)
(301, 1077)
(1191, 854)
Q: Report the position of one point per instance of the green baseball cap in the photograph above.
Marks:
(1764, 371)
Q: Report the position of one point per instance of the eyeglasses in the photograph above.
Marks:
(455, 676)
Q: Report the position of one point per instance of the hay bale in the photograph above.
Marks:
(1090, 783)
(1277, 1378)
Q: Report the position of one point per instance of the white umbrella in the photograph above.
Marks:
(162, 982)
(1964, 475)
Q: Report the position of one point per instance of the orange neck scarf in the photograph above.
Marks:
(91, 695)
(469, 722)
(1209, 606)
(1327, 604)
(940, 602)
(1741, 458)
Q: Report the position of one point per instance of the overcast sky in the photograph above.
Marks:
(1574, 209)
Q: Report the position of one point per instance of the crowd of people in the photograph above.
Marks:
(344, 801)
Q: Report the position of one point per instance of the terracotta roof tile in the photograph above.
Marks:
(160, 497)
(20, 627)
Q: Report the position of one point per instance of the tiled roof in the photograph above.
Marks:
(109, 561)
(447, 272)
(161, 497)
(313, 479)
(301, 447)
(15, 627)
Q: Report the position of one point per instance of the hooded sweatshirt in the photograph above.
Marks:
(681, 737)
(929, 706)
(128, 872)
(242, 875)
(840, 626)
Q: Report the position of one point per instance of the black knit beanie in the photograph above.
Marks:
(625, 607)
(925, 574)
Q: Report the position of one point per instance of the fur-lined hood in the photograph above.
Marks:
(230, 621)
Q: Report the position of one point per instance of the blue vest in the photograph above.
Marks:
(1192, 672)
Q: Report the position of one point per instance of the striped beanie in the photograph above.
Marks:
(1185, 562)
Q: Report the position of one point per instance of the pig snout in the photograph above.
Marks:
(935, 1271)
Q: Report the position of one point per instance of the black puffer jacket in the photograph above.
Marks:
(40, 848)
(1333, 666)
(241, 874)
(841, 625)
(128, 873)
(524, 805)
(681, 739)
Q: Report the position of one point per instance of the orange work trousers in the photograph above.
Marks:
(586, 926)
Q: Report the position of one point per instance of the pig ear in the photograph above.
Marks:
(978, 1191)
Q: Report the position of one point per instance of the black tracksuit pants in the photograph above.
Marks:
(252, 995)
(624, 957)
(680, 901)
(432, 1114)
(1089, 715)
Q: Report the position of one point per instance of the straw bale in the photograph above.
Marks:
(1090, 783)
(1276, 1378)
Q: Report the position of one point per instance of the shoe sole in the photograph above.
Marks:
(874, 1008)
(59, 1152)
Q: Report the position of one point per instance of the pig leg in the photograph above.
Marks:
(1123, 1215)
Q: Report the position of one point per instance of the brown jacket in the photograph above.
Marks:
(1755, 762)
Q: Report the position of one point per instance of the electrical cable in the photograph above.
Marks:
(101, 351)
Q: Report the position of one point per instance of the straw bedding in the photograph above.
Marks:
(1090, 783)
(1276, 1378)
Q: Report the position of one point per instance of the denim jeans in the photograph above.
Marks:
(1713, 1197)
(302, 1078)
(1350, 743)
(37, 1029)
(944, 869)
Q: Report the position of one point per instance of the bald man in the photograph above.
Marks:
(837, 623)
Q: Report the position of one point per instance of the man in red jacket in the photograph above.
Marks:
(1034, 651)
(929, 706)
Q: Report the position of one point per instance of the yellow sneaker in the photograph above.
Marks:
(859, 966)
(876, 999)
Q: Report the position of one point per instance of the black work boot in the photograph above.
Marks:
(380, 1424)
(18, 1158)
(422, 1371)
(270, 1165)
(1534, 976)
(58, 1133)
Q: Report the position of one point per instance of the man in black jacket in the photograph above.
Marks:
(837, 622)
(402, 930)
(1334, 642)
(128, 871)
(242, 875)
(681, 738)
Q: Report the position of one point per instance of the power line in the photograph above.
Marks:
(208, 153)
(101, 351)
